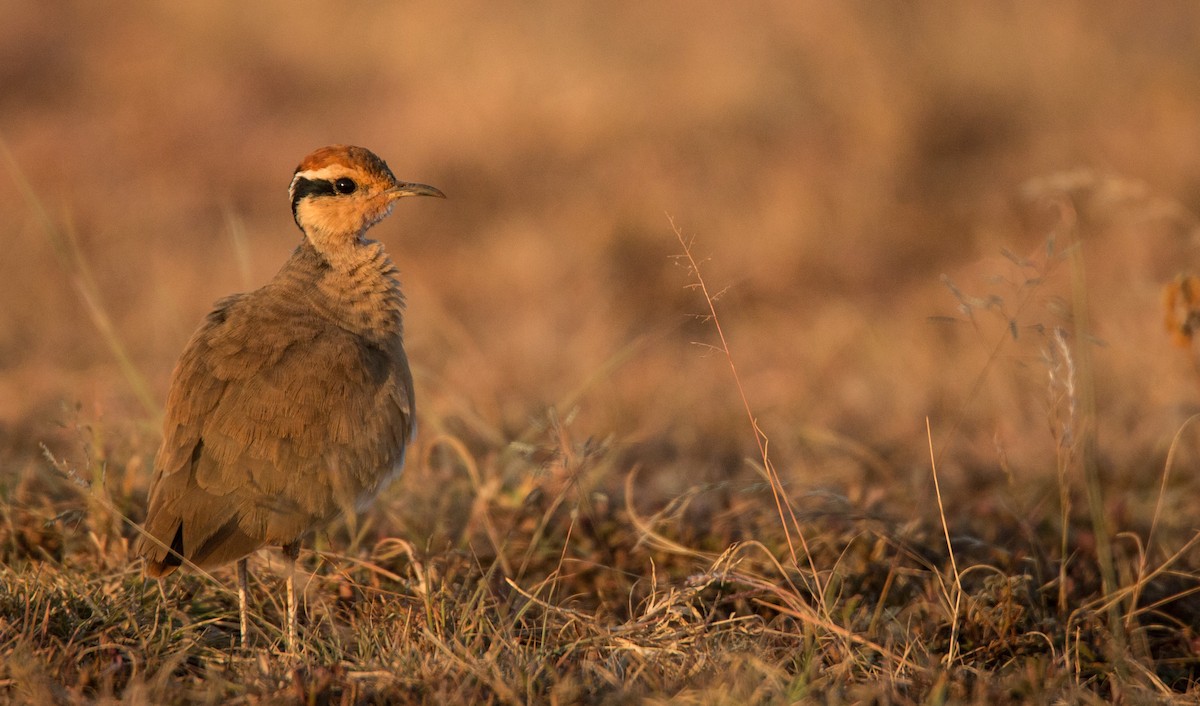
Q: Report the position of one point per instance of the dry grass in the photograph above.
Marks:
(935, 445)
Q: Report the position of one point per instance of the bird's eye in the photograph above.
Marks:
(345, 185)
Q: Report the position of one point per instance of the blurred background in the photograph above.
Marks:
(837, 164)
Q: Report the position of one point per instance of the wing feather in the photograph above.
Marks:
(277, 421)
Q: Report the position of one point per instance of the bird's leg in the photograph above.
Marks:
(291, 551)
(242, 617)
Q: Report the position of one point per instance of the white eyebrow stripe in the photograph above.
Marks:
(322, 173)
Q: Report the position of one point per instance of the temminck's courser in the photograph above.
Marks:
(293, 403)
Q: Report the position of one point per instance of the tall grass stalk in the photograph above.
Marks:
(1060, 368)
(66, 245)
(1086, 391)
(783, 506)
(954, 599)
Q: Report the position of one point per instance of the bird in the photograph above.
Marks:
(292, 404)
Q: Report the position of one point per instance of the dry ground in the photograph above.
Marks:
(962, 215)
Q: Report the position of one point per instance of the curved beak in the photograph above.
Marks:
(403, 188)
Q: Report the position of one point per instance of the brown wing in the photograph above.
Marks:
(276, 421)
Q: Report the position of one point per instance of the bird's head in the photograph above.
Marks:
(340, 191)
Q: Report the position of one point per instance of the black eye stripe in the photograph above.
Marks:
(310, 187)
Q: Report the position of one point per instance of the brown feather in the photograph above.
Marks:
(289, 406)
(293, 403)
